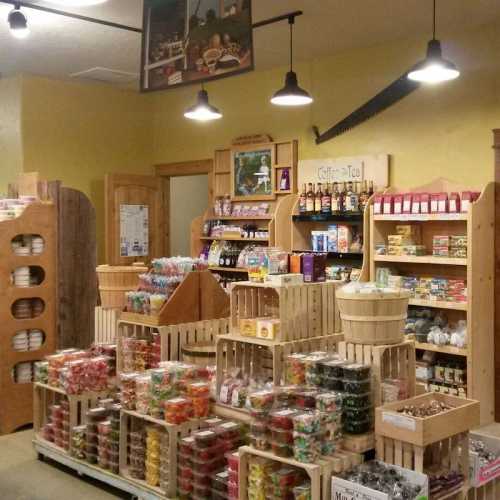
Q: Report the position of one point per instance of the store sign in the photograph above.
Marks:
(193, 41)
(134, 230)
(357, 168)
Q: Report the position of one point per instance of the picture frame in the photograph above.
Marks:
(253, 172)
(186, 42)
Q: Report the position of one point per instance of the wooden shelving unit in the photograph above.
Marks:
(16, 409)
(477, 269)
(286, 156)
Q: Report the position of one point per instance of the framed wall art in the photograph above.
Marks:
(193, 41)
(252, 172)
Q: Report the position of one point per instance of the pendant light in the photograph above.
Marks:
(434, 68)
(202, 111)
(291, 94)
(18, 22)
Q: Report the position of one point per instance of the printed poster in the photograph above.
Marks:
(134, 231)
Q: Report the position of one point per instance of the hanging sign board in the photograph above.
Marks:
(357, 168)
(193, 41)
(134, 230)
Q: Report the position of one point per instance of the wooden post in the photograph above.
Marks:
(496, 147)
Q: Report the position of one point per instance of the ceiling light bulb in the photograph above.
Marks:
(291, 94)
(434, 68)
(18, 23)
(202, 111)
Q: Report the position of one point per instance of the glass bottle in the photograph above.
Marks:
(303, 201)
(371, 190)
(363, 197)
(317, 199)
(342, 196)
(326, 201)
(348, 198)
(310, 198)
(355, 198)
(335, 198)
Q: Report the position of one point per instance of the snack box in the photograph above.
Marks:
(399, 240)
(415, 250)
(268, 328)
(394, 250)
(415, 205)
(314, 267)
(407, 200)
(440, 251)
(434, 197)
(425, 203)
(248, 327)
(458, 252)
(454, 203)
(443, 203)
(285, 279)
(378, 204)
(483, 474)
(398, 203)
(465, 201)
(296, 263)
(344, 238)
(441, 241)
(411, 230)
(333, 238)
(458, 241)
(388, 202)
(347, 490)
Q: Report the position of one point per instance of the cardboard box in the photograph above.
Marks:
(296, 263)
(347, 490)
(440, 241)
(454, 203)
(465, 201)
(378, 204)
(412, 230)
(333, 238)
(441, 251)
(425, 203)
(388, 204)
(481, 475)
(434, 203)
(394, 250)
(248, 327)
(399, 240)
(398, 203)
(285, 279)
(268, 329)
(415, 205)
(314, 268)
(344, 238)
(407, 199)
(415, 250)
(443, 203)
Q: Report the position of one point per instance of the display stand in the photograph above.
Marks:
(198, 297)
(477, 269)
(39, 219)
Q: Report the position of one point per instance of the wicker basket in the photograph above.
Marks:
(373, 318)
(114, 281)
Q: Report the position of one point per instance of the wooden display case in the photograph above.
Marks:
(198, 297)
(37, 219)
(477, 269)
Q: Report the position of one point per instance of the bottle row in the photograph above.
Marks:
(337, 197)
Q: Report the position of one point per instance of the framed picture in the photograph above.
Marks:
(252, 174)
(190, 41)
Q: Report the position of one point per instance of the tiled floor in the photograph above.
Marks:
(24, 477)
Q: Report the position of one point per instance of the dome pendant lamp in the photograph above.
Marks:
(202, 111)
(18, 23)
(434, 68)
(291, 94)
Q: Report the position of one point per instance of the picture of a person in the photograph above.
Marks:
(263, 174)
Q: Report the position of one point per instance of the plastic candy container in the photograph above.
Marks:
(229, 430)
(137, 455)
(357, 426)
(306, 447)
(307, 423)
(281, 436)
(313, 371)
(296, 369)
(186, 445)
(285, 396)
(333, 383)
(284, 478)
(142, 393)
(283, 419)
(178, 410)
(357, 386)
(330, 402)
(220, 480)
(42, 372)
(198, 389)
(127, 395)
(206, 454)
(356, 400)
(96, 373)
(356, 371)
(153, 437)
(306, 400)
(302, 491)
(333, 368)
(261, 400)
(357, 413)
(259, 442)
(78, 442)
(201, 406)
(205, 439)
(165, 478)
(162, 388)
(282, 449)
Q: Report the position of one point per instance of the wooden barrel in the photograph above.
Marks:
(373, 318)
(114, 281)
(200, 353)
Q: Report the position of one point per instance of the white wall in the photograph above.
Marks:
(188, 199)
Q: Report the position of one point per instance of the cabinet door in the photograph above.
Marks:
(135, 218)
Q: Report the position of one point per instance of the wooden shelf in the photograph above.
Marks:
(241, 217)
(228, 269)
(336, 255)
(421, 217)
(439, 304)
(333, 217)
(231, 238)
(424, 259)
(249, 340)
(444, 349)
(279, 191)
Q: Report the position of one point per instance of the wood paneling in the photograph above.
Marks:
(496, 147)
(196, 167)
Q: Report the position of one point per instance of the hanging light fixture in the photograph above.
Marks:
(202, 111)
(18, 22)
(434, 68)
(291, 94)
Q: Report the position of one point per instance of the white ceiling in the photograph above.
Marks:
(59, 46)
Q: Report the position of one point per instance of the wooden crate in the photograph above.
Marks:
(320, 474)
(358, 443)
(387, 361)
(198, 297)
(105, 321)
(489, 491)
(463, 416)
(39, 219)
(264, 360)
(129, 421)
(305, 311)
(449, 454)
(173, 338)
(45, 396)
